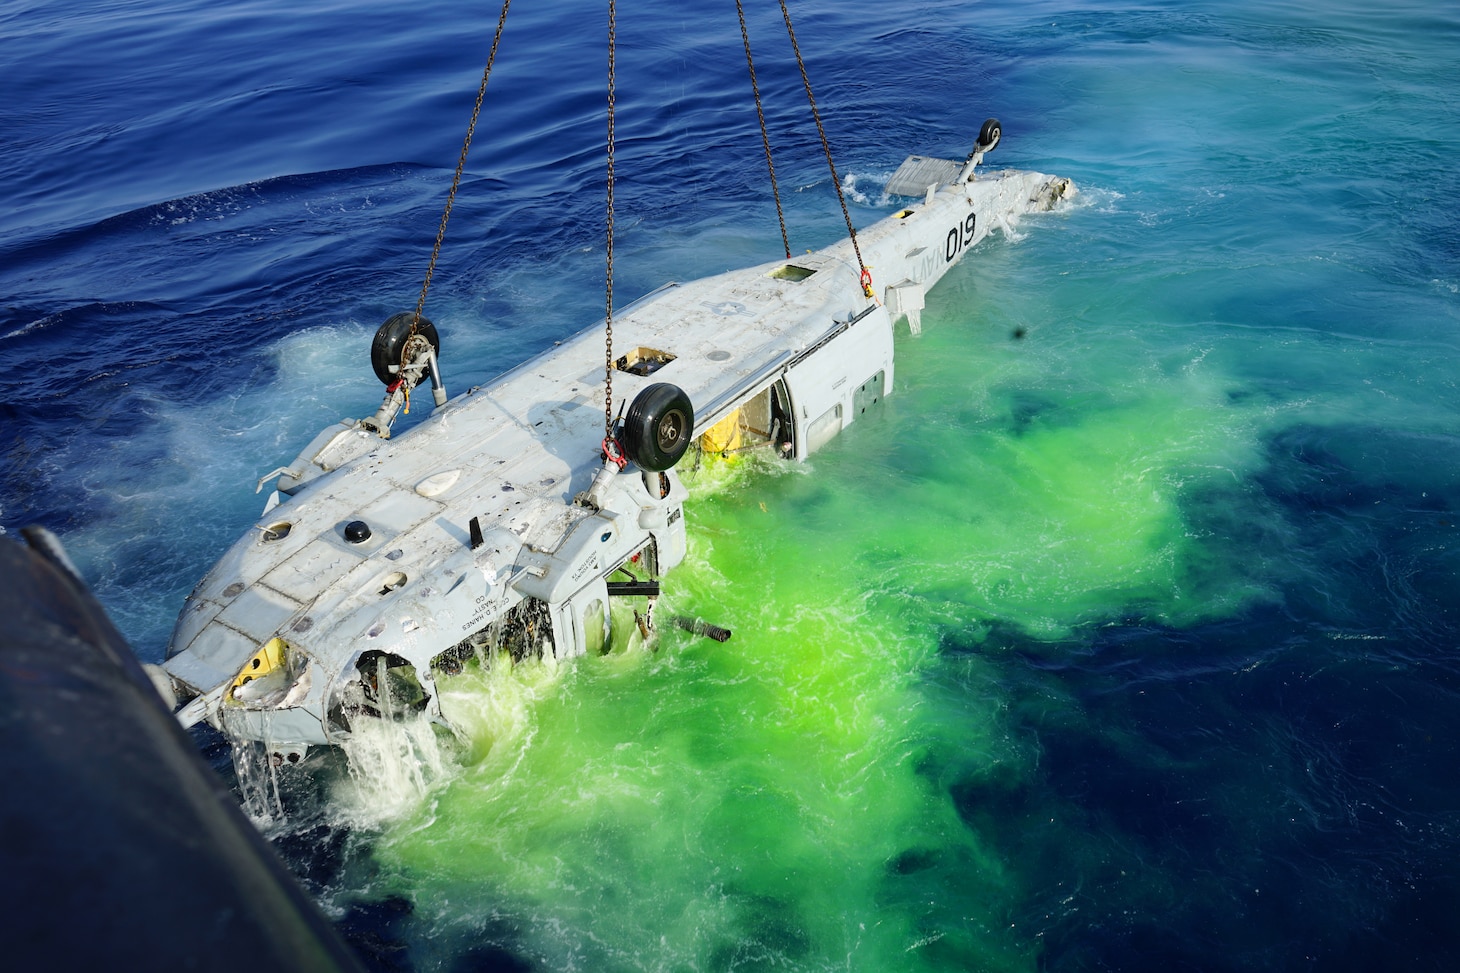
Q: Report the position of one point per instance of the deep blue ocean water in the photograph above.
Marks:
(1192, 683)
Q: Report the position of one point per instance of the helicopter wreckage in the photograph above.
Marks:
(506, 522)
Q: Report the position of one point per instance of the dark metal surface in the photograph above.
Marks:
(119, 847)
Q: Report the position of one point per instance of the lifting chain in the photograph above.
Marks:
(764, 137)
(608, 287)
(460, 166)
(866, 275)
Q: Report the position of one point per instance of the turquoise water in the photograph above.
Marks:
(1119, 638)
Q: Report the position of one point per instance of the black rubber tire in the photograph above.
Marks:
(658, 427)
(989, 135)
(390, 341)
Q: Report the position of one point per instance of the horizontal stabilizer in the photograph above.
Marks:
(918, 172)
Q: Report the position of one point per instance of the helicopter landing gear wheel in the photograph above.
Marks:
(658, 427)
(390, 349)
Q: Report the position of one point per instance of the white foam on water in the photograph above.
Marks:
(192, 485)
(393, 765)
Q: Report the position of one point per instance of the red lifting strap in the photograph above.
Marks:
(613, 452)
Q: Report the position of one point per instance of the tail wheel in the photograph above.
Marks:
(658, 427)
(391, 341)
(988, 136)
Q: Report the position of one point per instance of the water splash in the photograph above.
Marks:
(392, 767)
(257, 777)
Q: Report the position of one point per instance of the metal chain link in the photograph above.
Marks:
(460, 166)
(825, 146)
(608, 295)
(764, 137)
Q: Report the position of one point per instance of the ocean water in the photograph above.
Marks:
(1121, 638)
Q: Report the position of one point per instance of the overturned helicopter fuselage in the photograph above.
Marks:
(497, 524)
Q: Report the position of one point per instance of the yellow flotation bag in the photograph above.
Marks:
(723, 437)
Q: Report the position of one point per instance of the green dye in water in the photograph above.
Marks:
(777, 800)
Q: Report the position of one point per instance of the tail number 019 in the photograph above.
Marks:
(961, 236)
